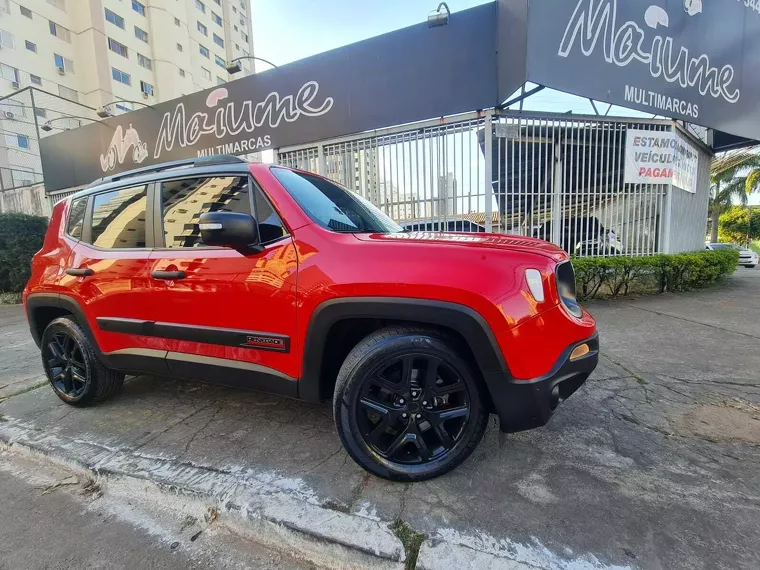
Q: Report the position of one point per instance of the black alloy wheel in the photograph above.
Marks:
(66, 362)
(407, 405)
(70, 361)
(413, 409)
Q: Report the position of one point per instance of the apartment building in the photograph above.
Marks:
(98, 51)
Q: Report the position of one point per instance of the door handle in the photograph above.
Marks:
(168, 275)
(79, 272)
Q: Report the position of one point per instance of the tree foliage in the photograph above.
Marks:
(734, 225)
(21, 236)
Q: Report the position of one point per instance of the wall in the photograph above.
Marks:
(688, 214)
(29, 200)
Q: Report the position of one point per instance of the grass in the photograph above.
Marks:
(411, 539)
(10, 298)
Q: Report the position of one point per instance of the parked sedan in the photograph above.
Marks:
(747, 257)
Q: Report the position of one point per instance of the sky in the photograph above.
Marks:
(287, 30)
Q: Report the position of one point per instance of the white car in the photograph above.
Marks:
(747, 258)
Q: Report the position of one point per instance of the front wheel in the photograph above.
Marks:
(407, 406)
(72, 367)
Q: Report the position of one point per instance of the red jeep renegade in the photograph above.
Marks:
(279, 280)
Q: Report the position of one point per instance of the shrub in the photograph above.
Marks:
(619, 276)
(21, 236)
(735, 226)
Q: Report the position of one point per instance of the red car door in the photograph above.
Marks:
(107, 272)
(224, 315)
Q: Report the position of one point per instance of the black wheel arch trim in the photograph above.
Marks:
(460, 318)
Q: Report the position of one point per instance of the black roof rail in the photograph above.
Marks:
(212, 160)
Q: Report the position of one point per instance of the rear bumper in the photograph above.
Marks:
(526, 404)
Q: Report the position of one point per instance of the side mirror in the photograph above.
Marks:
(229, 229)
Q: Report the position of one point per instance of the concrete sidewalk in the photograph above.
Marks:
(654, 463)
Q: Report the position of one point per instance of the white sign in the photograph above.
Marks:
(685, 164)
(656, 157)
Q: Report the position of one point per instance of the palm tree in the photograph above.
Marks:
(732, 178)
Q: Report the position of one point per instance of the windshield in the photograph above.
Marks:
(334, 207)
(724, 246)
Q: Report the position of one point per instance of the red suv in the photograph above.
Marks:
(279, 280)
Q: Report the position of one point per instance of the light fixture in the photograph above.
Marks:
(104, 113)
(47, 127)
(439, 17)
(234, 66)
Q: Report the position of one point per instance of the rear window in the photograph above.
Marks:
(118, 218)
(76, 218)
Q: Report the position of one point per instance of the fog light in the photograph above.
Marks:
(578, 351)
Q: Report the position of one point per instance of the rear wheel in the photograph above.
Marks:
(72, 367)
(407, 406)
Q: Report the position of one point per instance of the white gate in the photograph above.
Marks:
(557, 177)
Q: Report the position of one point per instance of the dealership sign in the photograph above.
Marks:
(687, 59)
(660, 157)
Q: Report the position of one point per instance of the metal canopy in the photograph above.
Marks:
(688, 64)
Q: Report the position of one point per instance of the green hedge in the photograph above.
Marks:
(21, 236)
(605, 277)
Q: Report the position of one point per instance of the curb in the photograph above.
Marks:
(279, 516)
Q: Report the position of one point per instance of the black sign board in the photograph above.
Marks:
(403, 76)
(696, 60)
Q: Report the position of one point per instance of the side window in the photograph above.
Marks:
(118, 218)
(271, 227)
(183, 202)
(76, 218)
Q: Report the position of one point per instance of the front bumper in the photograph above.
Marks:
(526, 404)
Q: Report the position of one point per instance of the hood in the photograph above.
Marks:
(475, 240)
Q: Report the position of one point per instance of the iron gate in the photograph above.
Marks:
(556, 177)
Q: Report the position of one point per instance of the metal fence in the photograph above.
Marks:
(556, 177)
(26, 116)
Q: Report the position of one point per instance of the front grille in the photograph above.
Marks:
(566, 288)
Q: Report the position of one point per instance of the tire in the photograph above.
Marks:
(413, 371)
(72, 367)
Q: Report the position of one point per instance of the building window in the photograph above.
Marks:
(200, 5)
(146, 88)
(9, 73)
(124, 107)
(220, 81)
(36, 79)
(234, 10)
(220, 62)
(218, 2)
(181, 72)
(204, 51)
(218, 41)
(245, 37)
(23, 141)
(141, 34)
(137, 7)
(121, 77)
(63, 63)
(235, 27)
(31, 46)
(60, 32)
(41, 113)
(144, 61)
(179, 47)
(117, 47)
(7, 39)
(60, 4)
(206, 73)
(26, 12)
(202, 29)
(237, 47)
(67, 93)
(114, 18)
(176, 21)
(216, 18)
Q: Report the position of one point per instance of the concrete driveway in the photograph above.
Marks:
(654, 463)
